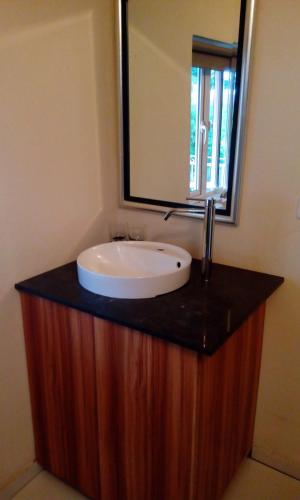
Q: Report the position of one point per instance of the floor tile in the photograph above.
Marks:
(255, 481)
(47, 487)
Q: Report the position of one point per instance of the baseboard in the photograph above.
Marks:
(13, 488)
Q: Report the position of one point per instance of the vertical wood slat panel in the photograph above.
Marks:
(140, 383)
(61, 367)
(173, 424)
(230, 384)
(169, 424)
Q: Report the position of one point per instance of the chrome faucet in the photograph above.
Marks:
(209, 217)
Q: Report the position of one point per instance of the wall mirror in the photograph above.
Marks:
(184, 69)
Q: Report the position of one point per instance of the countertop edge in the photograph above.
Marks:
(25, 287)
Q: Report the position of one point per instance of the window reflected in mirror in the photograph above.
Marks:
(183, 96)
(213, 81)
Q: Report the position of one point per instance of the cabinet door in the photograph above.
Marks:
(61, 366)
(147, 404)
(173, 424)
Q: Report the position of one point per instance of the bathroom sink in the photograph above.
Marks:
(133, 269)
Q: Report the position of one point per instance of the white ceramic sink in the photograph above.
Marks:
(133, 269)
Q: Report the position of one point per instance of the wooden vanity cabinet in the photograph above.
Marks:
(60, 349)
(121, 415)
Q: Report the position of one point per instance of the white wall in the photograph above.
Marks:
(57, 163)
(59, 187)
(268, 236)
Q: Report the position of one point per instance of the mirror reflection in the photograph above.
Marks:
(182, 92)
(213, 81)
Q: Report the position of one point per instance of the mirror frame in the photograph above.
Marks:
(230, 215)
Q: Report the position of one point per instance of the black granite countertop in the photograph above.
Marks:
(197, 316)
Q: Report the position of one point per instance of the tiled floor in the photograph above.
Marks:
(47, 487)
(253, 481)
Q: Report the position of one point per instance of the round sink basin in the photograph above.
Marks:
(133, 269)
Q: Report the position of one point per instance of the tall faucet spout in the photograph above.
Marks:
(208, 231)
(208, 234)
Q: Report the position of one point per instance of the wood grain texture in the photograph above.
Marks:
(173, 425)
(61, 367)
(121, 415)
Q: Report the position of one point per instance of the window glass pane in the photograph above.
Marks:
(194, 146)
(211, 124)
(210, 132)
(226, 125)
(214, 128)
